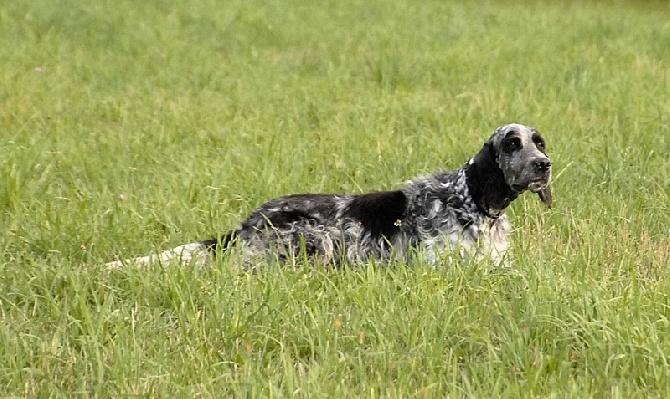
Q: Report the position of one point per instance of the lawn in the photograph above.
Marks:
(127, 126)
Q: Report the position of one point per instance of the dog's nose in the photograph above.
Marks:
(542, 165)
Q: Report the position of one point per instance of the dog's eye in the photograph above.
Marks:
(512, 144)
(538, 142)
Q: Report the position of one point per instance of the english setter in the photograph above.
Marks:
(459, 213)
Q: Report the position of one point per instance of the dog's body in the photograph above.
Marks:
(443, 214)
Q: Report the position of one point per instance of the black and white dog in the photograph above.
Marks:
(460, 213)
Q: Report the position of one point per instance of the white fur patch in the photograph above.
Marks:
(194, 254)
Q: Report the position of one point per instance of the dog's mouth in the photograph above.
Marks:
(535, 186)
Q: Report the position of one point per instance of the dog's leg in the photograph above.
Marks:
(195, 254)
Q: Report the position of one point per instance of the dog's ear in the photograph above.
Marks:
(487, 155)
(545, 196)
(492, 153)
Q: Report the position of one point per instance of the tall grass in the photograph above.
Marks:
(133, 125)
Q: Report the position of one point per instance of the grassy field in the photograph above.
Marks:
(126, 125)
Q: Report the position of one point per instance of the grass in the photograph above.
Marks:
(128, 124)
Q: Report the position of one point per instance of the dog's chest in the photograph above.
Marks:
(492, 239)
(478, 238)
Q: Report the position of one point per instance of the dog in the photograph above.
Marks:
(443, 215)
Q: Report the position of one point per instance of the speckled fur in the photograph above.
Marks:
(443, 216)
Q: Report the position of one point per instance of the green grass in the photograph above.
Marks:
(132, 124)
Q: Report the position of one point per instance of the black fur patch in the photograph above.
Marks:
(222, 242)
(380, 213)
(486, 182)
(283, 219)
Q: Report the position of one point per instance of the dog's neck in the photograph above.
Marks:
(487, 185)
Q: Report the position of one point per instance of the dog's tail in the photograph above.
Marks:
(197, 253)
(222, 243)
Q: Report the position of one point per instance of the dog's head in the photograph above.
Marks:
(520, 152)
